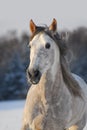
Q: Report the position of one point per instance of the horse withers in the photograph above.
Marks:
(57, 99)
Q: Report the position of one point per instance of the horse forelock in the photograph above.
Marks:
(39, 29)
(55, 36)
(71, 83)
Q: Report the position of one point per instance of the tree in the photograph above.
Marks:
(15, 78)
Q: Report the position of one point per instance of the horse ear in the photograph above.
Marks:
(32, 26)
(53, 26)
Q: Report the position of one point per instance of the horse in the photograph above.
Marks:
(57, 98)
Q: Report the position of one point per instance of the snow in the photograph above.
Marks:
(11, 113)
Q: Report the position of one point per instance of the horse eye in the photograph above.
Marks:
(47, 46)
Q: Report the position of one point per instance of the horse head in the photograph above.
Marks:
(43, 51)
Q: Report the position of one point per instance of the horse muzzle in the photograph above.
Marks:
(34, 76)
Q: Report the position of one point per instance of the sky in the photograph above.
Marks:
(16, 14)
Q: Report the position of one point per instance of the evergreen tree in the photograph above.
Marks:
(15, 78)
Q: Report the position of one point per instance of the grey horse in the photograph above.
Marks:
(57, 99)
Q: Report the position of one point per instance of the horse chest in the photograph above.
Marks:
(52, 115)
(49, 117)
(48, 110)
(57, 116)
(58, 112)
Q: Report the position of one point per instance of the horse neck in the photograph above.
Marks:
(52, 88)
(52, 80)
(55, 79)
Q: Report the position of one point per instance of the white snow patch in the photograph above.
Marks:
(11, 113)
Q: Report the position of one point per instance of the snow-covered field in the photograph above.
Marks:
(11, 113)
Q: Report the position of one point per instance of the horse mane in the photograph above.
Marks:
(69, 80)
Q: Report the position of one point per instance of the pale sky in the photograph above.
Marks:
(15, 14)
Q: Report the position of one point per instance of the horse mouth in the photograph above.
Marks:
(34, 81)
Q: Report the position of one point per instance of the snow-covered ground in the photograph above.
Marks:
(11, 113)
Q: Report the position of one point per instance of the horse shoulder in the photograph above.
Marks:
(79, 105)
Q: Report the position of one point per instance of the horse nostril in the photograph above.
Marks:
(36, 73)
(29, 74)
